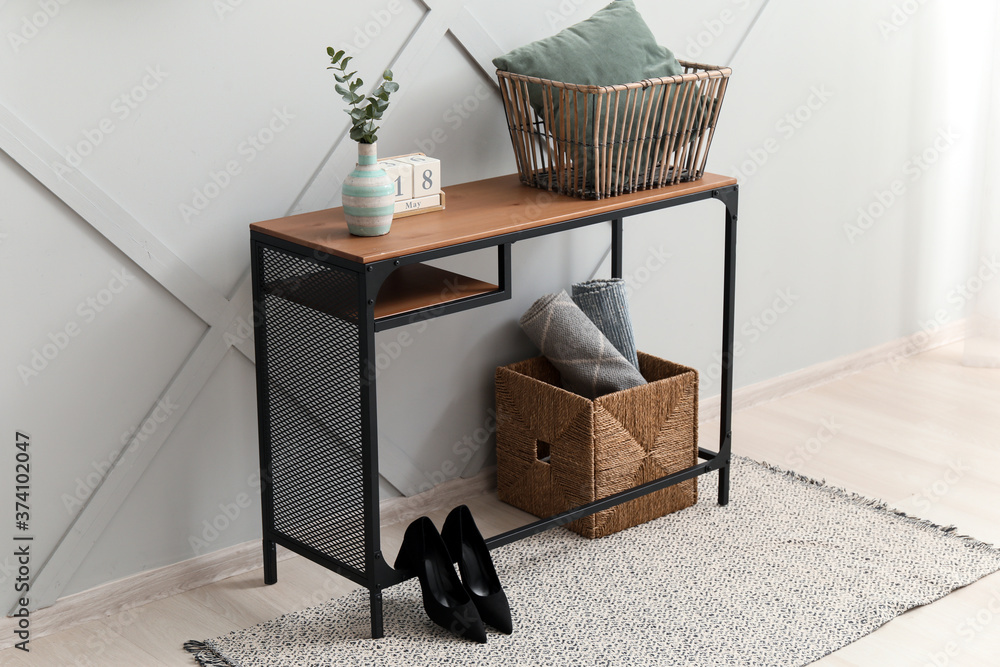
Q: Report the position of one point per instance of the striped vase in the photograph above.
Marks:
(368, 195)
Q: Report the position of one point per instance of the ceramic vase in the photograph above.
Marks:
(368, 195)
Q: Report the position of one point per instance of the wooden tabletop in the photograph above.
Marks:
(476, 210)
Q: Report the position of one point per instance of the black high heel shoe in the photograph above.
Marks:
(466, 544)
(446, 601)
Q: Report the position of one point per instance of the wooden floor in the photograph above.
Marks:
(923, 436)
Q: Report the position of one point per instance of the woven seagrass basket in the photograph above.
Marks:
(557, 450)
(593, 142)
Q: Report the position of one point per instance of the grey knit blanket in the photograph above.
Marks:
(587, 361)
(605, 302)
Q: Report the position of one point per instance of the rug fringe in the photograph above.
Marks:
(205, 655)
(875, 504)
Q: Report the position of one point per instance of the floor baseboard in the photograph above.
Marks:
(123, 594)
(143, 588)
(447, 495)
(828, 371)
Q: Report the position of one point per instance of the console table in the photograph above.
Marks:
(320, 295)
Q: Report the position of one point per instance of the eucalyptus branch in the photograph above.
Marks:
(364, 111)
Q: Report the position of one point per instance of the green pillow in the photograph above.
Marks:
(614, 46)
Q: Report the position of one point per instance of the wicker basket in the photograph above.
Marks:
(599, 141)
(557, 450)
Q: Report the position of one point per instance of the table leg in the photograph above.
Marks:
(375, 601)
(730, 197)
(617, 239)
(270, 551)
(370, 281)
(724, 485)
(270, 562)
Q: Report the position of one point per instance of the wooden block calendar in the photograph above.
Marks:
(418, 183)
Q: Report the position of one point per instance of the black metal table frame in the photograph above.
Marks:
(376, 574)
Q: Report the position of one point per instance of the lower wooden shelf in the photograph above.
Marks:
(409, 288)
(416, 286)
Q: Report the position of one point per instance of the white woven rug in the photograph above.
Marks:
(790, 571)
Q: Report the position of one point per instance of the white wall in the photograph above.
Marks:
(882, 84)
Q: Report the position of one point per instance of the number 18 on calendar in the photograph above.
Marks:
(418, 183)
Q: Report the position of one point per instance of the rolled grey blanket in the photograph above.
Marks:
(605, 302)
(588, 362)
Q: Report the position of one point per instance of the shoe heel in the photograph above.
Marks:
(466, 545)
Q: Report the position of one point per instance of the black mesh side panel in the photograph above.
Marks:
(314, 399)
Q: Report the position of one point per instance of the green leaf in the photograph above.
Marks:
(339, 77)
(357, 114)
(369, 112)
(357, 99)
(390, 86)
(330, 52)
(357, 133)
(387, 75)
(347, 60)
(355, 85)
(341, 90)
